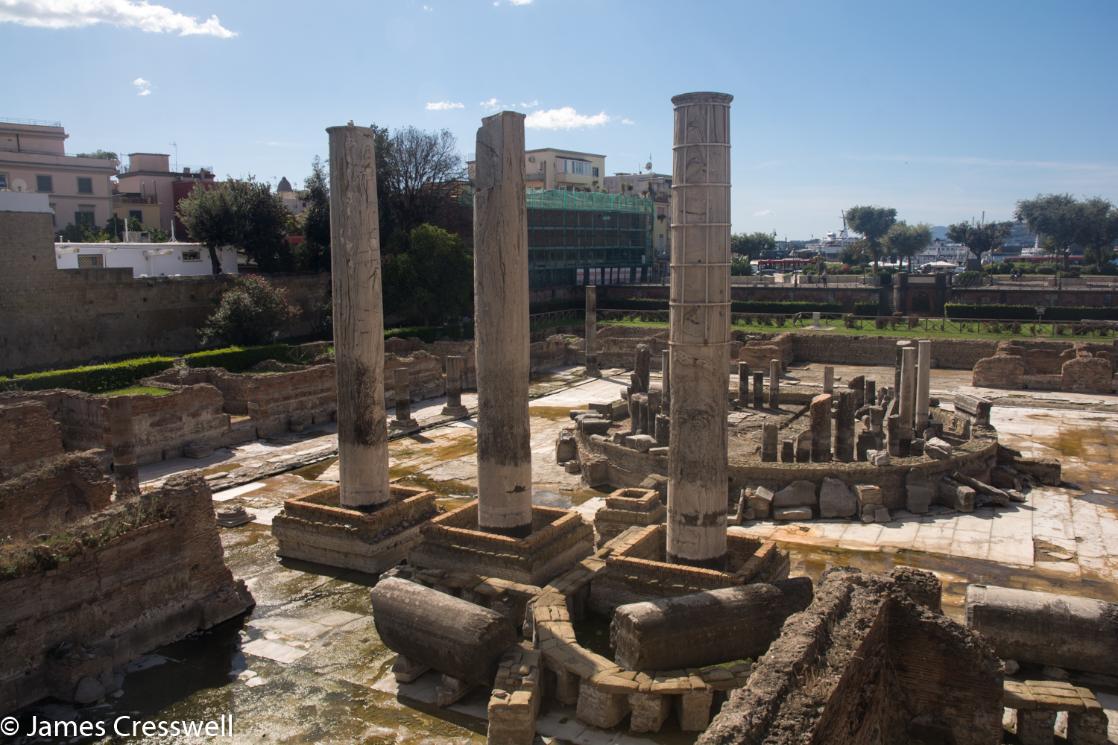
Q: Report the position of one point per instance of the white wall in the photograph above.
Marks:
(147, 259)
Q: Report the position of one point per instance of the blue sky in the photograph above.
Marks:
(940, 109)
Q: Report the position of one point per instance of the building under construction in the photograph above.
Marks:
(577, 237)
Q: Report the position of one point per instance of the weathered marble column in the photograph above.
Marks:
(743, 384)
(666, 379)
(820, 413)
(774, 384)
(923, 383)
(591, 332)
(758, 390)
(642, 366)
(504, 452)
(844, 427)
(901, 345)
(828, 379)
(906, 405)
(402, 389)
(455, 367)
(125, 470)
(699, 329)
(358, 318)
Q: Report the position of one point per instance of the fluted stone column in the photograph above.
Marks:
(743, 384)
(923, 383)
(699, 329)
(123, 432)
(591, 332)
(758, 390)
(774, 384)
(901, 345)
(906, 406)
(504, 451)
(455, 366)
(358, 318)
(820, 414)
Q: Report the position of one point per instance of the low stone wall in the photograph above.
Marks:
(55, 491)
(69, 628)
(28, 435)
(189, 416)
(80, 416)
(882, 666)
(1049, 365)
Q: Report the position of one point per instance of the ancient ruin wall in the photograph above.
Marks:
(866, 663)
(109, 603)
(53, 492)
(51, 317)
(28, 434)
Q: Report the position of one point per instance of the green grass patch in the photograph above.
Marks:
(138, 390)
(102, 378)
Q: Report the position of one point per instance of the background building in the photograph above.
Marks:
(145, 259)
(552, 168)
(33, 159)
(149, 175)
(579, 237)
(658, 188)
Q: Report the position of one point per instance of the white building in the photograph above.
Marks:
(145, 259)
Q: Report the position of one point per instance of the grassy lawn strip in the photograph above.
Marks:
(138, 390)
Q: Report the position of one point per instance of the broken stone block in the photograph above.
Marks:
(641, 443)
(797, 494)
(881, 514)
(1088, 727)
(451, 690)
(1005, 477)
(761, 503)
(879, 457)
(868, 513)
(659, 451)
(600, 708)
(650, 710)
(787, 451)
(836, 499)
(595, 471)
(916, 447)
(656, 481)
(955, 495)
(791, 513)
(869, 494)
(938, 449)
(572, 466)
(407, 671)
(1036, 727)
(566, 448)
(693, 710)
(197, 450)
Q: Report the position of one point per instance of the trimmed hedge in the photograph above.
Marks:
(783, 307)
(91, 378)
(431, 334)
(867, 309)
(238, 359)
(1028, 312)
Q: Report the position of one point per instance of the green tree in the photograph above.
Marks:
(751, 245)
(1098, 231)
(243, 213)
(873, 223)
(979, 239)
(905, 241)
(315, 254)
(430, 281)
(252, 311)
(101, 154)
(1055, 217)
(211, 218)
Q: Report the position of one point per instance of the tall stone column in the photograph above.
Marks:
(455, 366)
(923, 383)
(699, 329)
(769, 434)
(591, 332)
(901, 345)
(642, 366)
(774, 384)
(358, 318)
(758, 390)
(828, 379)
(504, 454)
(906, 403)
(820, 413)
(871, 392)
(125, 470)
(743, 384)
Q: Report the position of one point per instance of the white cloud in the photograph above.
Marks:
(138, 14)
(490, 104)
(143, 87)
(444, 105)
(564, 117)
(762, 213)
(520, 2)
(529, 104)
(427, 8)
(627, 120)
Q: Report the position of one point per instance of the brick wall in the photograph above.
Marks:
(51, 317)
(28, 434)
